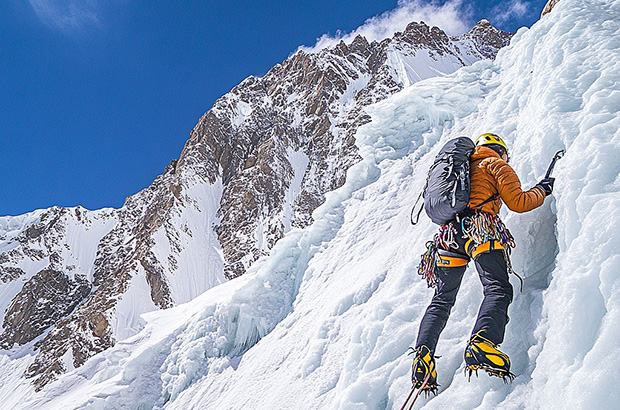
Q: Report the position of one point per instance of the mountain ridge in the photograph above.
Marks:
(256, 165)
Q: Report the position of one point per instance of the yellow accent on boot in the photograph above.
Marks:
(490, 352)
(423, 366)
(430, 364)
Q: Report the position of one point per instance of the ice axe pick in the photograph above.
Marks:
(557, 156)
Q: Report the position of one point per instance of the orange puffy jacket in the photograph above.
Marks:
(491, 175)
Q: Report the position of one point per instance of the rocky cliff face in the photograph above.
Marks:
(257, 164)
(309, 108)
(549, 6)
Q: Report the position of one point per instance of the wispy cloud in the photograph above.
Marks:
(66, 15)
(450, 16)
(516, 9)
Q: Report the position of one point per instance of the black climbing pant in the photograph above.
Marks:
(493, 313)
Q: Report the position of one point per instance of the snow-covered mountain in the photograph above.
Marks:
(74, 282)
(326, 319)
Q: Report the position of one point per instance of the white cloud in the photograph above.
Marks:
(505, 12)
(66, 15)
(451, 17)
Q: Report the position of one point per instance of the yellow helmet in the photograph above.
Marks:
(488, 139)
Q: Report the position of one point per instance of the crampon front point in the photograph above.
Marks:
(508, 377)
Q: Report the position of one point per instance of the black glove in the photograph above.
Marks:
(546, 185)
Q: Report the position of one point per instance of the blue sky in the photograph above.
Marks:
(98, 96)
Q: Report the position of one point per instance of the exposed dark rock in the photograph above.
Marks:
(45, 299)
(10, 273)
(548, 7)
(487, 40)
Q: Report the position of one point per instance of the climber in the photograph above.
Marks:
(479, 235)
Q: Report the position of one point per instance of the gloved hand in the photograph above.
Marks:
(546, 185)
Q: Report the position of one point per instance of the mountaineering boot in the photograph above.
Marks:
(423, 364)
(481, 353)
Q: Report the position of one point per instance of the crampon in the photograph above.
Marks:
(482, 354)
(428, 389)
(508, 377)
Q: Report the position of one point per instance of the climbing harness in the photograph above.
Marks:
(482, 228)
(484, 231)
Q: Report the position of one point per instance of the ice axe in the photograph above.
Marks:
(557, 156)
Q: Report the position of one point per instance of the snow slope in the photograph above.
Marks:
(325, 321)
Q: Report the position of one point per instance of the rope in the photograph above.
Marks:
(483, 227)
(428, 263)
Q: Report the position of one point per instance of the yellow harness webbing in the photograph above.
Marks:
(485, 247)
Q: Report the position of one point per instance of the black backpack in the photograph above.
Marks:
(446, 193)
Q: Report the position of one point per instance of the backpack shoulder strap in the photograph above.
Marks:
(417, 218)
(492, 198)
